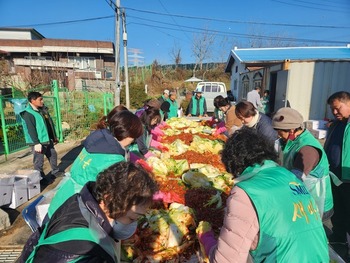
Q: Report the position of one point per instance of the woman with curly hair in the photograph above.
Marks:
(102, 148)
(269, 215)
(85, 226)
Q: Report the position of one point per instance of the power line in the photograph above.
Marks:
(221, 33)
(237, 21)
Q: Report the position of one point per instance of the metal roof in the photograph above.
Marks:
(292, 53)
(254, 57)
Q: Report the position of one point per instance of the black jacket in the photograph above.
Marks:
(69, 216)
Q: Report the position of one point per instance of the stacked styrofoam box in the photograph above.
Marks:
(6, 188)
(32, 178)
(318, 128)
(19, 192)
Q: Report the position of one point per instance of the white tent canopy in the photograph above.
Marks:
(193, 79)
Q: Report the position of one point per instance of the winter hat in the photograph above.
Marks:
(166, 91)
(286, 119)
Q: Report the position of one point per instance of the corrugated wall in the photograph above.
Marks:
(311, 83)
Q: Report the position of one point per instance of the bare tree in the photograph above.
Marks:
(175, 54)
(202, 48)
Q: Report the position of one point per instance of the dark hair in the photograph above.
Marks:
(267, 92)
(221, 101)
(123, 185)
(245, 109)
(148, 115)
(125, 124)
(33, 95)
(245, 148)
(342, 96)
(103, 122)
(165, 107)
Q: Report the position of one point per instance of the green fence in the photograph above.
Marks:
(73, 112)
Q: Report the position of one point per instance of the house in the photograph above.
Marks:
(76, 64)
(300, 77)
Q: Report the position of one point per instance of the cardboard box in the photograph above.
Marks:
(19, 193)
(316, 124)
(32, 178)
(6, 188)
(319, 133)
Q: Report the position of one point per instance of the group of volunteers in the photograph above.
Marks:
(286, 183)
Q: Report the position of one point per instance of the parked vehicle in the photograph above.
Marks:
(210, 90)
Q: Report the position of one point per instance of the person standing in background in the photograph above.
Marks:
(337, 147)
(40, 135)
(253, 96)
(173, 105)
(265, 101)
(164, 97)
(198, 105)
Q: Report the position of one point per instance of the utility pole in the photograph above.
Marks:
(126, 71)
(117, 53)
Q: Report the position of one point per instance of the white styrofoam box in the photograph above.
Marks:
(319, 133)
(32, 176)
(316, 124)
(6, 187)
(19, 193)
(33, 190)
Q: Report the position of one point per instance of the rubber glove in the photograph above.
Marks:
(157, 131)
(205, 236)
(155, 144)
(38, 148)
(149, 154)
(220, 130)
(168, 197)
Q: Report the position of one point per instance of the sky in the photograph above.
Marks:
(157, 28)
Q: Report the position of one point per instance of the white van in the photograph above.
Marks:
(210, 90)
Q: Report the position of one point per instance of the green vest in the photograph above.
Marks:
(319, 185)
(345, 154)
(85, 168)
(134, 148)
(93, 234)
(40, 126)
(194, 106)
(173, 109)
(290, 225)
(219, 115)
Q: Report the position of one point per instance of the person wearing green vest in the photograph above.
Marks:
(40, 135)
(173, 105)
(140, 149)
(88, 224)
(303, 154)
(337, 147)
(270, 216)
(198, 105)
(103, 147)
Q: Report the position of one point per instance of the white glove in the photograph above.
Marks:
(38, 148)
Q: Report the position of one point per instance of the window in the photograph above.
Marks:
(207, 88)
(245, 86)
(83, 63)
(257, 79)
(214, 88)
